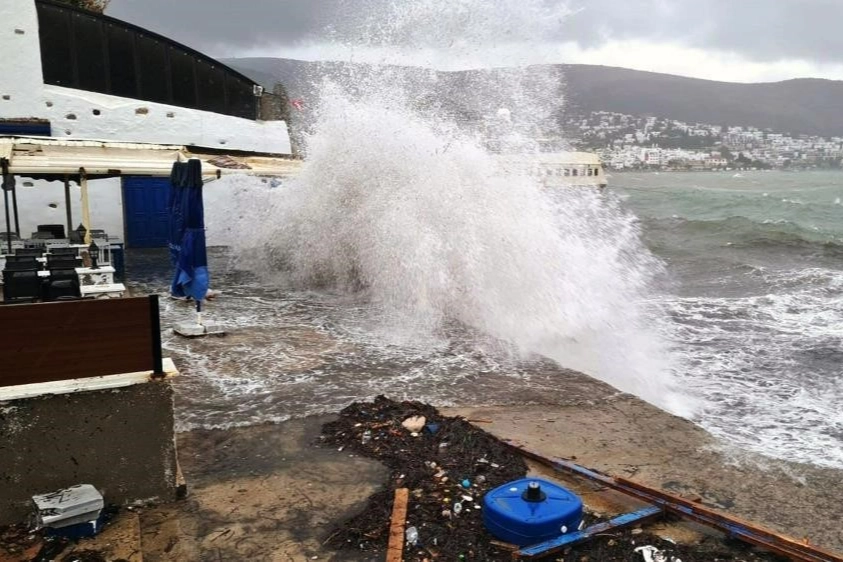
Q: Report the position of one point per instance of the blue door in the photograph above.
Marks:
(145, 203)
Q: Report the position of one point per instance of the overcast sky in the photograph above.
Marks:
(733, 40)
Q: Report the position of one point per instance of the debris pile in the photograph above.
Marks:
(446, 463)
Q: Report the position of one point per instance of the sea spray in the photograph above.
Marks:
(402, 205)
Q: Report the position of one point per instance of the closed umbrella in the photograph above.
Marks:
(187, 233)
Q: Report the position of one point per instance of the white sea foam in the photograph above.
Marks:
(763, 364)
(398, 205)
(424, 224)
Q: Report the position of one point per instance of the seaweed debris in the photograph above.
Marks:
(448, 464)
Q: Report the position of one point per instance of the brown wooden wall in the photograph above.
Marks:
(78, 339)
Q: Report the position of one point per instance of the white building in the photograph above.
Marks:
(71, 74)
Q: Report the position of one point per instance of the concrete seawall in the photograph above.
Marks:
(119, 440)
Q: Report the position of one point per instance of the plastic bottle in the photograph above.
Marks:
(412, 535)
(367, 436)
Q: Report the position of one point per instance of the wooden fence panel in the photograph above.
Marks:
(78, 339)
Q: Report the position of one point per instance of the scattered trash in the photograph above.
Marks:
(652, 554)
(466, 483)
(433, 467)
(367, 436)
(72, 512)
(414, 424)
(435, 470)
(412, 536)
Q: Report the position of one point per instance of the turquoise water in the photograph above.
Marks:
(754, 301)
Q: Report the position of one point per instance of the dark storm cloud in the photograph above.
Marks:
(762, 30)
(226, 26)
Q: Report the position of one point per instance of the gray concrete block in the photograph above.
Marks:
(121, 441)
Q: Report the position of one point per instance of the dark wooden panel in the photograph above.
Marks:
(78, 339)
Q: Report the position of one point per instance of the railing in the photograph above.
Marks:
(79, 339)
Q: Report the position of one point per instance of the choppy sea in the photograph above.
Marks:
(754, 300)
(751, 293)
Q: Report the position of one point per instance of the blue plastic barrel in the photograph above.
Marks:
(530, 511)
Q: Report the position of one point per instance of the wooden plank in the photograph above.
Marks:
(75, 339)
(564, 541)
(395, 550)
(108, 382)
(732, 526)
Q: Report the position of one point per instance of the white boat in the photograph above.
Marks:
(558, 169)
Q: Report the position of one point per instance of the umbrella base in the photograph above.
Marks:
(194, 330)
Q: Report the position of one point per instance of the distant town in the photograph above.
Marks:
(629, 142)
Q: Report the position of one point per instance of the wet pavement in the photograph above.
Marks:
(289, 354)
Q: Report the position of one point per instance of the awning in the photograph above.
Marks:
(33, 156)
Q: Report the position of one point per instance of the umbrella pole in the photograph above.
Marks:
(15, 209)
(8, 225)
(199, 312)
(86, 210)
(67, 205)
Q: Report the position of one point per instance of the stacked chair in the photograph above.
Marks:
(63, 282)
(21, 282)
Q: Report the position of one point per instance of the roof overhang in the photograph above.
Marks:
(44, 157)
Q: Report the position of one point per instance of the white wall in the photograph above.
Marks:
(71, 112)
(35, 200)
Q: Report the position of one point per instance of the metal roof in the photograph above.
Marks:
(34, 156)
(166, 40)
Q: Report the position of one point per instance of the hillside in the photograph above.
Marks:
(803, 106)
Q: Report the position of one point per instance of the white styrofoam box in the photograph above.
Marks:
(68, 506)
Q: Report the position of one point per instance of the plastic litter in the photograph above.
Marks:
(80, 504)
(414, 424)
(652, 554)
(412, 535)
(367, 436)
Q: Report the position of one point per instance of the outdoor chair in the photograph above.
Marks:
(57, 230)
(63, 262)
(21, 263)
(21, 286)
(63, 284)
(67, 251)
(37, 252)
